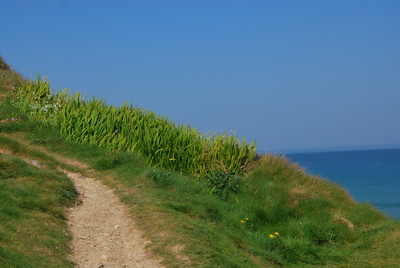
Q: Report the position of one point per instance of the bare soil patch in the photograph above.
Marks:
(104, 235)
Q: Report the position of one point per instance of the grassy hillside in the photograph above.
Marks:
(239, 213)
(9, 79)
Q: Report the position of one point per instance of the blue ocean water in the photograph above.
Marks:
(371, 176)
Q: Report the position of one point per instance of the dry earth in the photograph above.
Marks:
(104, 233)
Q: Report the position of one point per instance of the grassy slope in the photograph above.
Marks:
(318, 222)
(33, 231)
(8, 79)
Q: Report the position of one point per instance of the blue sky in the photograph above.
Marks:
(291, 75)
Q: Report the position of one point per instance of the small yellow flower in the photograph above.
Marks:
(276, 233)
(247, 219)
(271, 236)
(242, 221)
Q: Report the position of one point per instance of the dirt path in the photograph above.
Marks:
(104, 234)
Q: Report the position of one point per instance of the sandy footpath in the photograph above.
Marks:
(103, 233)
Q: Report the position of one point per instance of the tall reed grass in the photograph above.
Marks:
(178, 147)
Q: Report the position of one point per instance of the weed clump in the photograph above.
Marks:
(159, 177)
(221, 183)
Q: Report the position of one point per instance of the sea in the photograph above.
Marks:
(370, 176)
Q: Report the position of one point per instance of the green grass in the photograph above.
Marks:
(32, 218)
(217, 221)
(33, 231)
(310, 214)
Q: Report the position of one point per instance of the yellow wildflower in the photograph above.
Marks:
(276, 233)
(242, 221)
(271, 236)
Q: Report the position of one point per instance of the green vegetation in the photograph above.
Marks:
(33, 231)
(268, 214)
(126, 128)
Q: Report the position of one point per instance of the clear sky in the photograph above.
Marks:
(291, 75)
